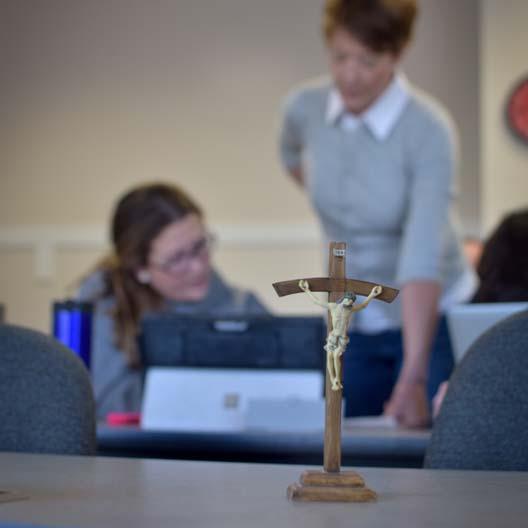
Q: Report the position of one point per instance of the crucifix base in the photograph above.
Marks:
(322, 486)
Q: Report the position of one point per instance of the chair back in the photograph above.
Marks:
(483, 422)
(46, 398)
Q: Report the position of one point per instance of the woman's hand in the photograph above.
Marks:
(408, 404)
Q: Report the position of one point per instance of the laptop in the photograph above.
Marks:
(218, 400)
(467, 322)
(238, 342)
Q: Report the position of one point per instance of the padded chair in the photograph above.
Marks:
(483, 422)
(46, 399)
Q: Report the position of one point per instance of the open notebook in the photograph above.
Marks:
(207, 399)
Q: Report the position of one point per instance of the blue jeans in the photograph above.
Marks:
(371, 365)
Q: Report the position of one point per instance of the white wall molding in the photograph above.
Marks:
(45, 241)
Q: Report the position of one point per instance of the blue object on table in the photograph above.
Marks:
(72, 326)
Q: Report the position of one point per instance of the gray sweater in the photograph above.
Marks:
(390, 200)
(117, 387)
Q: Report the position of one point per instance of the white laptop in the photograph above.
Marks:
(205, 399)
(467, 322)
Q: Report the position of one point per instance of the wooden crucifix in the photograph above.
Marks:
(332, 484)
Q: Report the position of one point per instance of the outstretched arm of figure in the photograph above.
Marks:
(374, 293)
(303, 284)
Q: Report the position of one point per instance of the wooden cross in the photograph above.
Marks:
(332, 484)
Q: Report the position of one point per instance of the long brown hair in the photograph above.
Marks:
(138, 218)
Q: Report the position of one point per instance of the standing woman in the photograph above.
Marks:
(377, 158)
(159, 262)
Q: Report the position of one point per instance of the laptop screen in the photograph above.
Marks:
(263, 342)
(467, 322)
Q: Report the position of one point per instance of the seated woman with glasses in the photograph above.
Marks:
(159, 262)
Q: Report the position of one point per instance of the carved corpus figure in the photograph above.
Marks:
(337, 340)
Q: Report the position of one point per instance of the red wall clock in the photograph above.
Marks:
(517, 110)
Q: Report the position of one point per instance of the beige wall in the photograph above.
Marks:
(106, 93)
(98, 95)
(504, 61)
(445, 62)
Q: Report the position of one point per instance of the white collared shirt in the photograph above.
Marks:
(380, 117)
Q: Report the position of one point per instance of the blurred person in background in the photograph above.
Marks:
(160, 262)
(503, 265)
(378, 159)
(502, 270)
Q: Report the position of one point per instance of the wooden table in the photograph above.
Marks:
(374, 447)
(108, 492)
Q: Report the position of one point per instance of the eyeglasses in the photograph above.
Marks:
(180, 261)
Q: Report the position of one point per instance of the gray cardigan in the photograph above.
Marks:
(390, 200)
(117, 387)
